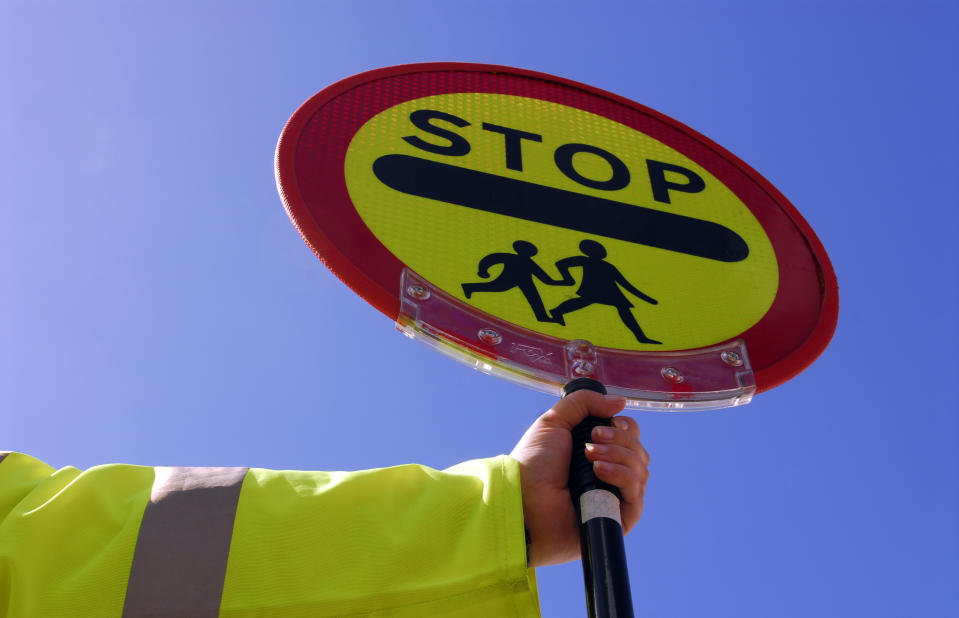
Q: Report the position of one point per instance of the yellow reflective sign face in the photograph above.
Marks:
(561, 221)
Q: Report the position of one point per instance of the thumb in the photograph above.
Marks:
(572, 409)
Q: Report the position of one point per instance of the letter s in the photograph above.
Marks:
(421, 118)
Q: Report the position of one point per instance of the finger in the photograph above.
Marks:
(635, 462)
(624, 462)
(572, 409)
(620, 437)
(614, 435)
(627, 424)
(631, 512)
(630, 482)
(618, 455)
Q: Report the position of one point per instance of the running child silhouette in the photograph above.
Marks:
(518, 271)
(600, 284)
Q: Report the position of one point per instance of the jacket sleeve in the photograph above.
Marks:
(123, 540)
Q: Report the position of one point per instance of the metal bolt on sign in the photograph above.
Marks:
(418, 292)
(732, 359)
(671, 374)
(490, 336)
(583, 368)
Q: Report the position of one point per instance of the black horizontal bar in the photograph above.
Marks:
(566, 209)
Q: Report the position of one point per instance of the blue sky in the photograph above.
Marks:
(157, 306)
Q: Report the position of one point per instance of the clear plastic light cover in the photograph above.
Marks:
(702, 379)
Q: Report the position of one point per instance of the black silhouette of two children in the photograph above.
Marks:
(600, 283)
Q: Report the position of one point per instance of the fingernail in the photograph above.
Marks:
(621, 423)
(605, 433)
(597, 449)
(602, 465)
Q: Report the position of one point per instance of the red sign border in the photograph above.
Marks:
(760, 339)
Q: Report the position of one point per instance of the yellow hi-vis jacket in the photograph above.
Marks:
(121, 540)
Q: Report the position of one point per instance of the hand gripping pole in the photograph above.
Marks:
(600, 525)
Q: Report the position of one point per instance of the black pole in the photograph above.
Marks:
(601, 535)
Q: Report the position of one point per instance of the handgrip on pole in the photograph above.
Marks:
(600, 527)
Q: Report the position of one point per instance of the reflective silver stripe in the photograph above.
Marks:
(599, 503)
(179, 563)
